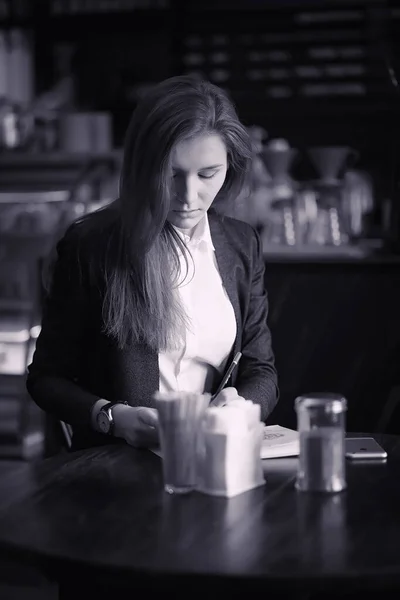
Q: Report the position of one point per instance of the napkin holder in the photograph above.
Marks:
(229, 457)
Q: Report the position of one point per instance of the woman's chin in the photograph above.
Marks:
(185, 219)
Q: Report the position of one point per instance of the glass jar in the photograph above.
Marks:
(321, 426)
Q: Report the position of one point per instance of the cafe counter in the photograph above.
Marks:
(334, 316)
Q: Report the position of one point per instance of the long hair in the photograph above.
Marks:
(141, 276)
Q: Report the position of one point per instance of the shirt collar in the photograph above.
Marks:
(200, 236)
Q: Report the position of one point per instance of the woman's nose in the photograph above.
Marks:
(188, 190)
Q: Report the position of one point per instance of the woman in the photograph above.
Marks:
(157, 290)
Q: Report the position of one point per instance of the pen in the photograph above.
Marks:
(227, 374)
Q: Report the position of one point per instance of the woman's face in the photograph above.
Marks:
(199, 167)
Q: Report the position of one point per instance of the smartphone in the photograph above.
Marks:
(363, 448)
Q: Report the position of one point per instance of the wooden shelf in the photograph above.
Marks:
(53, 170)
(16, 159)
(362, 254)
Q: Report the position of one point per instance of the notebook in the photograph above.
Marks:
(279, 441)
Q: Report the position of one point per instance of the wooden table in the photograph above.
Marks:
(101, 514)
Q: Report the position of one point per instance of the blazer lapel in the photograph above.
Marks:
(227, 263)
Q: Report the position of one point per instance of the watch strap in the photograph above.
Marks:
(107, 409)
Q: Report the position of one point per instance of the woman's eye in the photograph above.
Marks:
(202, 176)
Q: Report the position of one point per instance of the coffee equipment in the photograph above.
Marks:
(329, 163)
(281, 226)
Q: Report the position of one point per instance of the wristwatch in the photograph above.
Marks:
(105, 420)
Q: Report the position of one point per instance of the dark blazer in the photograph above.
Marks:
(75, 363)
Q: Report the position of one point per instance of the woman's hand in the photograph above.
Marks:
(138, 426)
(226, 396)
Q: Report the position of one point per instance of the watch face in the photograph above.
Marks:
(103, 422)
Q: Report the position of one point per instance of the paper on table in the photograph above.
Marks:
(277, 441)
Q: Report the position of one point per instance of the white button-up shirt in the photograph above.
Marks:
(198, 365)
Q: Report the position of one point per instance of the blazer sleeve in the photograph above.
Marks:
(257, 377)
(62, 343)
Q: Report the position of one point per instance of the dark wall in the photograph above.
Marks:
(336, 327)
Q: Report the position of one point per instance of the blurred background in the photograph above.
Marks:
(315, 82)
